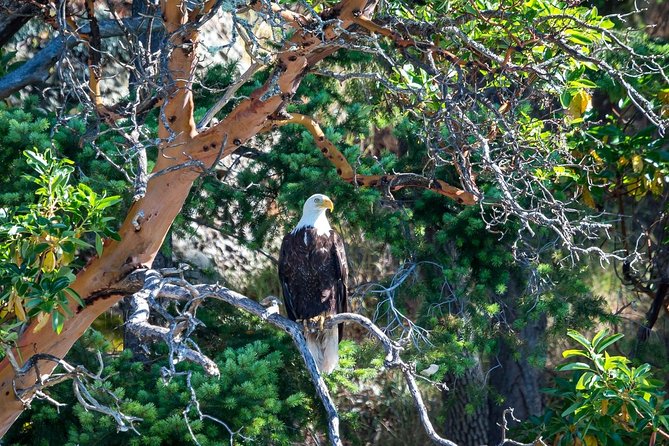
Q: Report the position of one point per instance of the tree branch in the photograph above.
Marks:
(37, 69)
(390, 182)
(79, 376)
(192, 295)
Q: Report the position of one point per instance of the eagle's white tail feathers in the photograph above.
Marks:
(324, 347)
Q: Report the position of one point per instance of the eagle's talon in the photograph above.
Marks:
(315, 323)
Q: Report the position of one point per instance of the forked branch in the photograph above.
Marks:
(81, 380)
(190, 297)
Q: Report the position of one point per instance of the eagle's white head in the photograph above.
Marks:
(314, 215)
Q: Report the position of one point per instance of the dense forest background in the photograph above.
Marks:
(499, 172)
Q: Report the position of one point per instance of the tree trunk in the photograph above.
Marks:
(516, 380)
(466, 407)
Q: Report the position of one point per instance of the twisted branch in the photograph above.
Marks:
(390, 182)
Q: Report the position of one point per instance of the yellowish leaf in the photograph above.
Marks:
(579, 104)
(657, 183)
(590, 440)
(49, 262)
(67, 258)
(663, 96)
(18, 306)
(595, 156)
(605, 407)
(637, 163)
(42, 320)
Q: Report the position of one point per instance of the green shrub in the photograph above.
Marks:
(604, 400)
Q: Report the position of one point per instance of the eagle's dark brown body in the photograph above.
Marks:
(313, 272)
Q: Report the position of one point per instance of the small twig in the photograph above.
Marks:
(229, 93)
(505, 429)
(79, 376)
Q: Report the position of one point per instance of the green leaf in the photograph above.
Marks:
(598, 337)
(608, 341)
(108, 201)
(585, 377)
(60, 284)
(574, 352)
(57, 321)
(578, 337)
(579, 37)
(571, 409)
(574, 366)
(98, 244)
(74, 295)
(581, 83)
(641, 371)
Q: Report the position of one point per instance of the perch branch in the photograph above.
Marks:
(191, 296)
(393, 360)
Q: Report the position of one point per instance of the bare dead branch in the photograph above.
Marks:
(81, 379)
(37, 68)
(505, 428)
(181, 326)
(229, 93)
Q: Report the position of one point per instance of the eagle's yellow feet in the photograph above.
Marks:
(316, 321)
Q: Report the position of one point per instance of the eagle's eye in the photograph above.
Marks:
(317, 200)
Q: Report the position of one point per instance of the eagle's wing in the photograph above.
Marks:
(286, 271)
(341, 270)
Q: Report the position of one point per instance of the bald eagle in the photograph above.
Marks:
(313, 272)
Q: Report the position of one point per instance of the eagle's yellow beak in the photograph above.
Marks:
(327, 204)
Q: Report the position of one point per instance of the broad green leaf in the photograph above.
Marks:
(608, 341)
(598, 337)
(571, 409)
(574, 366)
(574, 352)
(57, 321)
(641, 371)
(74, 295)
(584, 381)
(578, 337)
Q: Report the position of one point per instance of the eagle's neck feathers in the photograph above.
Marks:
(317, 220)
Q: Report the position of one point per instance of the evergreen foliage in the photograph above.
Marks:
(252, 396)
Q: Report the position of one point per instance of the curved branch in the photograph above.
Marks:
(391, 182)
(402, 42)
(191, 296)
(393, 360)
